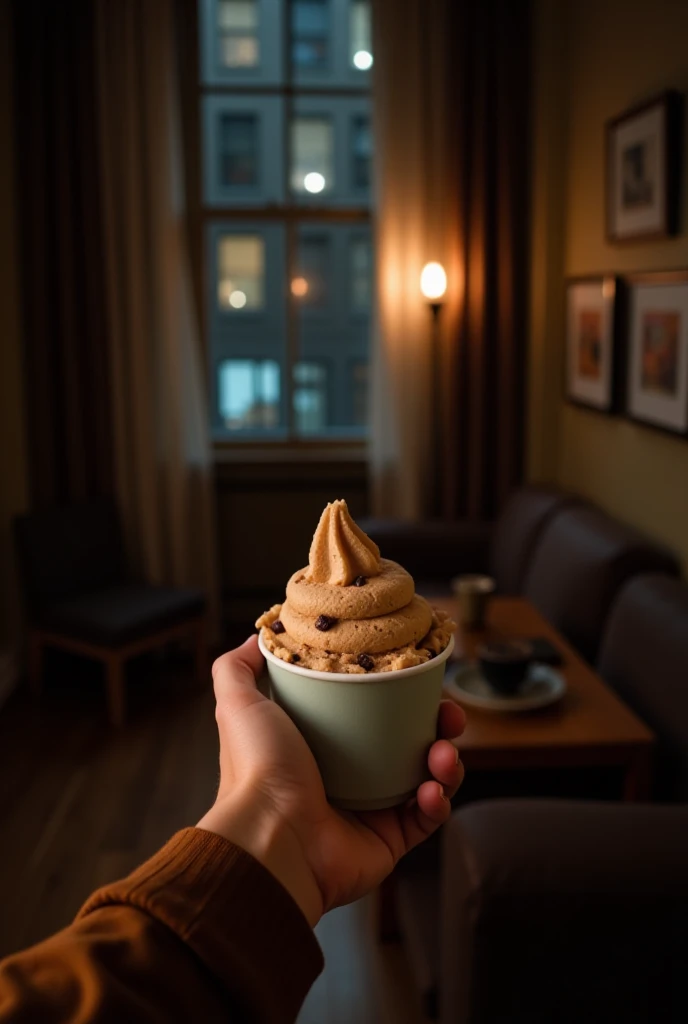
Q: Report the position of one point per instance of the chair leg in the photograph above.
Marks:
(116, 693)
(201, 653)
(35, 666)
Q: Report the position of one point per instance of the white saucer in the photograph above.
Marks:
(542, 686)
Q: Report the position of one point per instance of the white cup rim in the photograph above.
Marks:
(356, 677)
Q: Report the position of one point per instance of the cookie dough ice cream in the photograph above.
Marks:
(349, 610)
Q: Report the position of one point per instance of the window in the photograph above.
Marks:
(249, 394)
(361, 152)
(237, 25)
(242, 164)
(241, 272)
(310, 40)
(360, 49)
(287, 156)
(312, 147)
(238, 149)
(310, 398)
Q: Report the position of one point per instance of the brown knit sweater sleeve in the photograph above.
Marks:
(200, 932)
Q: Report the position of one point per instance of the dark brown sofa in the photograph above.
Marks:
(567, 556)
(546, 911)
(434, 552)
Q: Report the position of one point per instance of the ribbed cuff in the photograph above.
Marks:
(233, 914)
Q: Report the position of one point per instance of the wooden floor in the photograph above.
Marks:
(81, 805)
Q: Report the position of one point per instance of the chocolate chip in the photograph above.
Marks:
(296, 657)
(324, 622)
(360, 581)
(365, 661)
(277, 627)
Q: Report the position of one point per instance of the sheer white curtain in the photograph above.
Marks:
(416, 218)
(162, 452)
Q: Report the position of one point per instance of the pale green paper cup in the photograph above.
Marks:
(370, 734)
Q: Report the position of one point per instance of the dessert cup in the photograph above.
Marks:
(369, 733)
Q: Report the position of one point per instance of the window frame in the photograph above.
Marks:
(234, 91)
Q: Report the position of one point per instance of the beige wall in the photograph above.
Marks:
(13, 483)
(616, 53)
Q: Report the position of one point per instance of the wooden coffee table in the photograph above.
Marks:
(589, 727)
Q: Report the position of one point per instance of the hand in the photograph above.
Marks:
(271, 799)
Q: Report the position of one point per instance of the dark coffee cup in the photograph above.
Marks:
(504, 664)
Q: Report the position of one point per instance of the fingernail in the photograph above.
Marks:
(443, 794)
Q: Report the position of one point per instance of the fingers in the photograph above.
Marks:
(451, 720)
(433, 807)
(444, 763)
(237, 669)
(424, 815)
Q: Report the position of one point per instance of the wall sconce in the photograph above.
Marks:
(433, 285)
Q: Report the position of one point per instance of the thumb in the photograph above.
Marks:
(238, 669)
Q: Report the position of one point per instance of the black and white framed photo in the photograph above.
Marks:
(592, 350)
(657, 389)
(643, 170)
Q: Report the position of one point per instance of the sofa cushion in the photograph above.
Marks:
(580, 563)
(518, 529)
(644, 656)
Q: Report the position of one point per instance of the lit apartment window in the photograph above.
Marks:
(287, 153)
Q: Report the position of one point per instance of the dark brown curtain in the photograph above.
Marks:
(61, 241)
(484, 360)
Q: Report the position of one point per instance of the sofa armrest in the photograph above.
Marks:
(579, 909)
(433, 550)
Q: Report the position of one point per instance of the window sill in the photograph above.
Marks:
(314, 451)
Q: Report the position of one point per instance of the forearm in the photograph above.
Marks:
(199, 932)
(118, 963)
(270, 839)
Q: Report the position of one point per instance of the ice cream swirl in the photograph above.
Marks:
(340, 551)
(348, 599)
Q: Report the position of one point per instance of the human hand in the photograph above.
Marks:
(271, 800)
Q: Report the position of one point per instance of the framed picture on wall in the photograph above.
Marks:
(657, 386)
(643, 170)
(592, 349)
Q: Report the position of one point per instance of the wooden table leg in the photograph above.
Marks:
(116, 692)
(637, 780)
(387, 921)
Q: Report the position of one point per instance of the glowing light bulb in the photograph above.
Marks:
(237, 299)
(299, 287)
(433, 281)
(363, 60)
(314, 182)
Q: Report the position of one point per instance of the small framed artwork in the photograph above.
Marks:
(643, 170)
(592, 351)
(657, 387)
